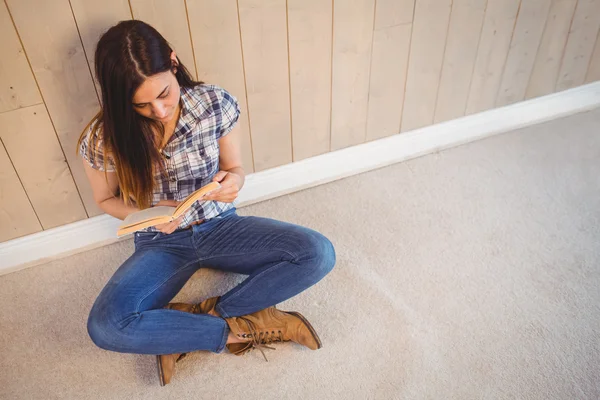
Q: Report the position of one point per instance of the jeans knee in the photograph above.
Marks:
(319, 252)
(101, 330)
(96, 327)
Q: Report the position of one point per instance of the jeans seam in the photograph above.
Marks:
(137, 307)
(243, 289)
(293, 256)
(224, 338)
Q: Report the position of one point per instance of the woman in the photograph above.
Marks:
(158, 137)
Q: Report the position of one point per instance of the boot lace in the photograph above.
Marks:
(260, 339)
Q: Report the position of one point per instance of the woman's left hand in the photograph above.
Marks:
(230, 187)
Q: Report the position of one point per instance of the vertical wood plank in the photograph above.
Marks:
(494, 43)
(219, 57)
(168, 17)
(593, 73)
(93, 19)
(428, 44)
(580, 45)
(17, 86)
(549, 55)
(466, 22)
(52, 44)
(263, 24)
(389, 64)
(17, 217)
(28, 136)
(390, 13)
(309, 35)
(352, 41)
(526, 40)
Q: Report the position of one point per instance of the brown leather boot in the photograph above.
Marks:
(269, 326)
(208, 306)
(165, 363)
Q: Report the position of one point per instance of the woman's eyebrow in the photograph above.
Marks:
(160, 94)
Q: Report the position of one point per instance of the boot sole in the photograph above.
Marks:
(310, 327)
(161, 377)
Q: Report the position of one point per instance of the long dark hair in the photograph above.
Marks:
(126, 55)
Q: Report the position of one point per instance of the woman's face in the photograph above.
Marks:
(157, 97)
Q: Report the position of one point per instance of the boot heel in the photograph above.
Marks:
(159, 368)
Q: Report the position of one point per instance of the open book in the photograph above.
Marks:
(162, 214)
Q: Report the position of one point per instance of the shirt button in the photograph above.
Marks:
(168, 157)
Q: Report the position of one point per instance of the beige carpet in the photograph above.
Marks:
(469, 274)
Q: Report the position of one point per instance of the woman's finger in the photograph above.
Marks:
(171, 226)
(224, 193)
(228, 199)
(227, 192)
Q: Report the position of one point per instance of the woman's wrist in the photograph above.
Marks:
(239, 171)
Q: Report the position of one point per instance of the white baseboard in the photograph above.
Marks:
(83, 235)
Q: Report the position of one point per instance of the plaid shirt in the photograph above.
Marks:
(192, 154)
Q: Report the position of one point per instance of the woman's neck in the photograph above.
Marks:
(169, 127)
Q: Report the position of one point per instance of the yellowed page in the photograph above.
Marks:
(124, 230)
(192, 198)
(147, 214)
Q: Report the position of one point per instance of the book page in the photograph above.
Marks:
(192, 198)
(148, 213)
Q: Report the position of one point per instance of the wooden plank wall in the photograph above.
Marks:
(311, 76)
(426, 57)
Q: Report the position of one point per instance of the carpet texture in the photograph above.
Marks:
(473, 273)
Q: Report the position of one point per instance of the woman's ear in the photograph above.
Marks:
(174, 62)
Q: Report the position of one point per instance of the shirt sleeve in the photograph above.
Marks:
(92, 151)
(230, 112)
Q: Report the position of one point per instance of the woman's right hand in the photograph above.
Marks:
(169, 227)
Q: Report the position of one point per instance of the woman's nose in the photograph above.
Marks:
(160, 112)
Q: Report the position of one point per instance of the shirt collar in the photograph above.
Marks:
(190, 104)
(191, 110)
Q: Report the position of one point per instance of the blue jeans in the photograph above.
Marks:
(280, 259)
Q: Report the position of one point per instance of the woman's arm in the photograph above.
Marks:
(231, 175)
(105, 196)
(105, 188)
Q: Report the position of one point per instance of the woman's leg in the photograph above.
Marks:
(128, 315)
(281, 260)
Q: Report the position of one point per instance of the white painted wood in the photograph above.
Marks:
(219, 57)
(526, 40)
(169, 18)
(17, 86)
(352, 43)
(52, 43)
(310, 39)
(494, 43)
(593, 73)
(428, 43)
(17, 217)
(58, 242)
(389, 13)
(389, 65)
(93, 232)
(264, 44)
(93, 19)
(549, 55)
(464, 31)
(580, 45)
(37, 157)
